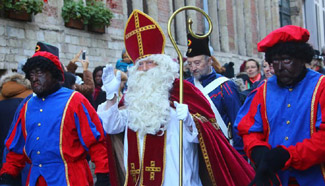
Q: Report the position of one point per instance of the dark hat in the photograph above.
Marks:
(289, 33)
(317, 55)
(40, 46)
(197, 47)
(50, 52)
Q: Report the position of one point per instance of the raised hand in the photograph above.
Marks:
(111, 83)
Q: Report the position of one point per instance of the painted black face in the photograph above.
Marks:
(42, 82)
(287, 69)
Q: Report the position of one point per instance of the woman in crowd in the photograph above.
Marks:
(268, 70)
(253, 70)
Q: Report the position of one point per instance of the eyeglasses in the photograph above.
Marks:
(284, 61)
(195, 63)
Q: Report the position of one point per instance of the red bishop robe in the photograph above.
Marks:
(220, 161)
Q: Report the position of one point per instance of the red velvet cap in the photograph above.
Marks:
(143, 36)
(50, 52)
(52, 58)
(289, 33)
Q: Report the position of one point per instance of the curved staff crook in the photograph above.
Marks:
(180, 58)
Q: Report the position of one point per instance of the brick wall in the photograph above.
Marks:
(18, 39)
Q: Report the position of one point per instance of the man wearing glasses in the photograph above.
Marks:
(219, 91)
(282, 122)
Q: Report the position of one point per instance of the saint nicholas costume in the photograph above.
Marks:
(152, 159)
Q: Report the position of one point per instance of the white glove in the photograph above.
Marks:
(183, 113)
(111, 83)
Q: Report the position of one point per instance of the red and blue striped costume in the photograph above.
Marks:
(55, 134)
(292, 117)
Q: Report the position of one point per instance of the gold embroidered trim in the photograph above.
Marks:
(25, 117)
(139, 30)
(164, 160)
(312, 123)
(61, 132)
(265, 114)
(164, 163)
(142, 158)
(127, 171)
(197, 117)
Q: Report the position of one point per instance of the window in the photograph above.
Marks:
(285, 18)
(129, 7)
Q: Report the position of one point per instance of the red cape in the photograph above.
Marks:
(224, 165)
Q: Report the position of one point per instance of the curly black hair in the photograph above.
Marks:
(44, 64)
(297, 50)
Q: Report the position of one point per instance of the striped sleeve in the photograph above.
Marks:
(250, 124)
(15, 159)
(91, 133)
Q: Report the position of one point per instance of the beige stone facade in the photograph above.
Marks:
(238, 26)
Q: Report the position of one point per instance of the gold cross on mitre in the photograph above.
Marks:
(152, 169)
(143, 36)
(134, 172)
(138, 31)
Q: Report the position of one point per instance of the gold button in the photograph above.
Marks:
(40, 165)
(41, 110)
(286, 138)
(39, 124)
(43, 99)
(289, 105)
(38, 152)
(290, 89)
(37, 138)
(288, 122)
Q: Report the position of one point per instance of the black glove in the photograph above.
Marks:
(257, 154)
(277, 158)
(7, 179)
(102, 179)
(271, 162)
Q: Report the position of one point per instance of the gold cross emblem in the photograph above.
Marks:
(138, 31)
(152, 169)
(134, 172)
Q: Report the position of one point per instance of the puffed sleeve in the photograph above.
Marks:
(91, 133)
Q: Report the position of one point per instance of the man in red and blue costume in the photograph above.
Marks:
(223, 96)
(54, 130)
(283, 121)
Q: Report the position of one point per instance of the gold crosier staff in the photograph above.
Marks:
(180, 58)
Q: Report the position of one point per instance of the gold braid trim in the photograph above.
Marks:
(196, 118)
(312, 123)
(265, 114)
(61, 137)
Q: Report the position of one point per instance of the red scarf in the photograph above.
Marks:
(96, 92)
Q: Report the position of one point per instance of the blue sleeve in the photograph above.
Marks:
(231, 101)
(18, 142)
(257, 126)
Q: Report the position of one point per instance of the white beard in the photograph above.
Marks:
(147, 97)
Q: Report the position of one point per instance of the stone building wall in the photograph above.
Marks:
(238, 26)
